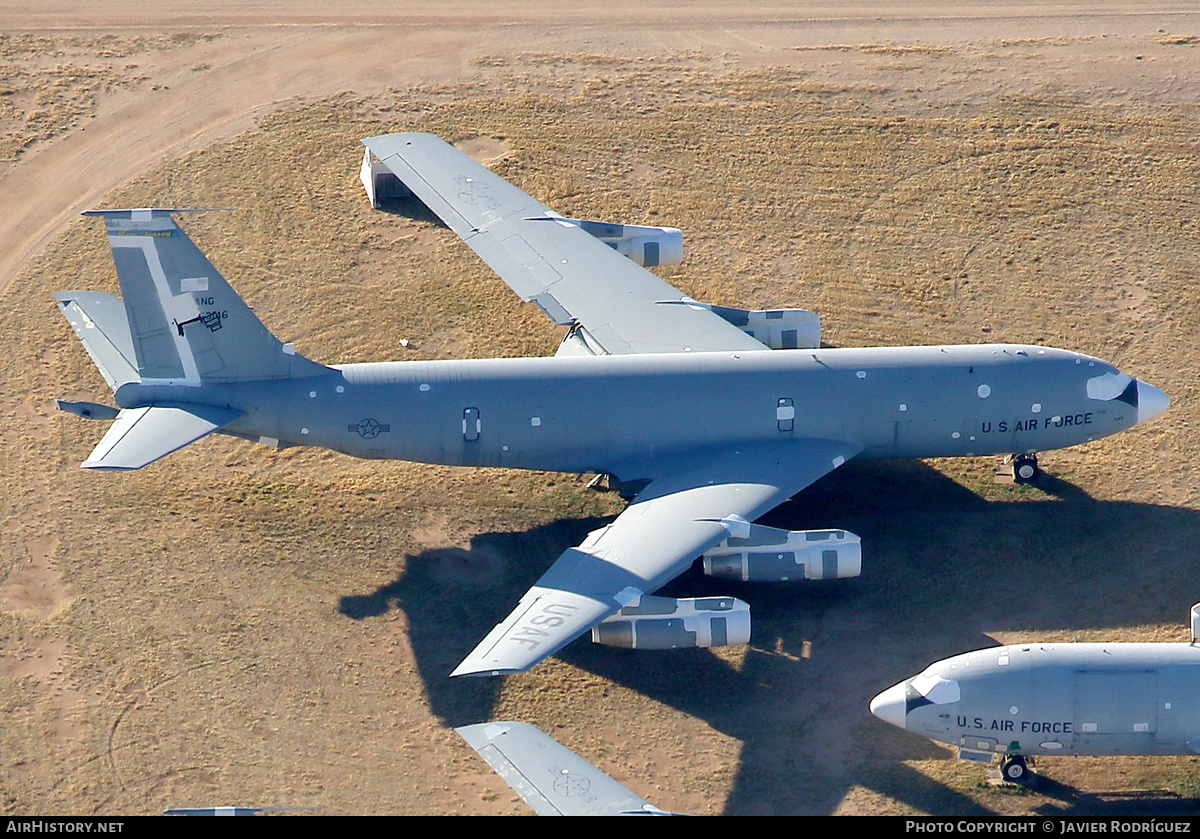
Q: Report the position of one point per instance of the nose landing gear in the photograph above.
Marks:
(1019, 469)
(1015, 770)
(1025, 468)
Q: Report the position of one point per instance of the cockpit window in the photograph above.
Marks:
(937, 690)
(1108, 387)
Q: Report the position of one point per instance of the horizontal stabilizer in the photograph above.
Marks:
(100, 321)
(88, 410)
(142, 435)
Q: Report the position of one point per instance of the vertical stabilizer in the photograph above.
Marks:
(187, 326)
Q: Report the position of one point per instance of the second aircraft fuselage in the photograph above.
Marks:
(1042, 699)
(621, 414)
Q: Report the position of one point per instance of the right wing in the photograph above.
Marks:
(548, 776)
(573, 276)
(689, 507)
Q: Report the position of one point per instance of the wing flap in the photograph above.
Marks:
(681, 513)
(572, 275)
(140, 436)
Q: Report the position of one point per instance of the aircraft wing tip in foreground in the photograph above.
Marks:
(548, 776)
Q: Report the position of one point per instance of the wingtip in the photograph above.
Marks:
(407, 136)
(155, 212)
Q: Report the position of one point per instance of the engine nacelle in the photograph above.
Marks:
(647, 246)
(665, 623)
(771, 555)
(779, 329)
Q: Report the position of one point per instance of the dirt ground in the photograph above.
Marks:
(235, 625)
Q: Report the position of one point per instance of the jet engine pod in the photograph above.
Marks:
(645, 245)
(771, 555)
(779, 329)
(665, 623)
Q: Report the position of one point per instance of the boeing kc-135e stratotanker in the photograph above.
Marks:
(704, 416)
(1020, 701)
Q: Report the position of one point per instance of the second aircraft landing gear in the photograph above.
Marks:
(1025, 468)
(1019, 469)
(1015, 770)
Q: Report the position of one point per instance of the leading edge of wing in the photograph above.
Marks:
(681, 513)
(571, 275)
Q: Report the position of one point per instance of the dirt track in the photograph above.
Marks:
(234, 626)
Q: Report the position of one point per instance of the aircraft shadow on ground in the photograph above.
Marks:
(411, 208)
(1076, 802)
(453, 597)
(942, 567)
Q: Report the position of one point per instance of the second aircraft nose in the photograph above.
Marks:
(1151, 401)
(890, 706)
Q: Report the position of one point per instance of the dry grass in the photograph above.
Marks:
(49, 85)
(1179, 40)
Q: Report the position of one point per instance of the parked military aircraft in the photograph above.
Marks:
(681, 403)
(1023, 700)
(548, 776)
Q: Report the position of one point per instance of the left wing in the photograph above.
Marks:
(554, 262)
(548, 776)
(691, 506)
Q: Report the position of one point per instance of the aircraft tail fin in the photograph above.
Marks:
(184, 324)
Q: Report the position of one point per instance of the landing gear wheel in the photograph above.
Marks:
(1014, 770)
(1025, 468)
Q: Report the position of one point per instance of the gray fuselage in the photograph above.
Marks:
(622, 414)
(1042, 699)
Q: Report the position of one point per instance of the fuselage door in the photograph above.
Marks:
(785, 415)
(978, 743)
(472, 425)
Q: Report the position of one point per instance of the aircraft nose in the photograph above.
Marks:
(890, 705)
(1151, 401)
